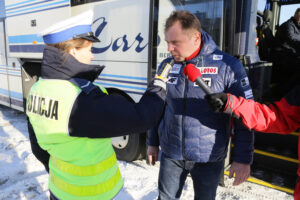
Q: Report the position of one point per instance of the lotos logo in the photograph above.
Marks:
(117, 43)
(208, 70)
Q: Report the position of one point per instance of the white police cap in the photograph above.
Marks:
(75, 27)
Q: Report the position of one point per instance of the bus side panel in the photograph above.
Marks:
(130, 77)
(25, 19)
(123, 28)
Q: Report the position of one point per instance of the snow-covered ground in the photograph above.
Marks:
(23, 177)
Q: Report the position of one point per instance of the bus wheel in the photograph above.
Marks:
(130, 147)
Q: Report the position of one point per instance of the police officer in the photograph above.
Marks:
(74, 119)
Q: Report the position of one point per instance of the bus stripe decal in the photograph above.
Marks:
(36, 7)
(16, 95)
(15, 4)
(23, 6)
(122, 86)
(120, 76)
(27, 48)
(66, 5)
(114, 80)
(24, 39)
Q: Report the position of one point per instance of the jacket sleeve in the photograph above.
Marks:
(42, 155)
(243, 138)
(292, 35)
(152, 137)
(280, 117)
(97, 115)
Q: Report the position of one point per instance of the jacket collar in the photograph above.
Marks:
(60, 65)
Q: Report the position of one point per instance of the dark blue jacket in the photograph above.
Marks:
(189, 129)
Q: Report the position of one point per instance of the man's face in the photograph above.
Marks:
(182, 43)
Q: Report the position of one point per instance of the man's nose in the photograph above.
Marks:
(170, 47)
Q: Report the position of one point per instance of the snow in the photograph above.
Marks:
(23, 177)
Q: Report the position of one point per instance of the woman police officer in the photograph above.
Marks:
(73, 119)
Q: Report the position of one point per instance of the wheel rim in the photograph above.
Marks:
(120, 142)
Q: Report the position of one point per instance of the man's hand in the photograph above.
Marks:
(241, 171)
(152, 153)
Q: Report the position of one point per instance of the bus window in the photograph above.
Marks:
(286, 12)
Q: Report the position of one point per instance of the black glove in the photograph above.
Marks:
(217, 101)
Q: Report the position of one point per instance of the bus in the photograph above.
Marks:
(132, 45)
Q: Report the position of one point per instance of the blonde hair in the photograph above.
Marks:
(66, 46)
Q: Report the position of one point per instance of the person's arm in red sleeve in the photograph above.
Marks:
(279, 117)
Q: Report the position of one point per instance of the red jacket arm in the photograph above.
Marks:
(279, 117)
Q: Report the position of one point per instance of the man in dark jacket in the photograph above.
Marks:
(288, 35)
(194, 139)
(286, 56)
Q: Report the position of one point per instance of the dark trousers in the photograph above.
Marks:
(173, 173)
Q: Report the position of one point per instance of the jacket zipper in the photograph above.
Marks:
(183, 116)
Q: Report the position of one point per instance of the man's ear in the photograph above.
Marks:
(198, 37)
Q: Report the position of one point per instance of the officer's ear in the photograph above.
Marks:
(73, 52)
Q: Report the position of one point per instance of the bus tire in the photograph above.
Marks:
(134, 149)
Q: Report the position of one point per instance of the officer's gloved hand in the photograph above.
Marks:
(161, 82)
(217, 101)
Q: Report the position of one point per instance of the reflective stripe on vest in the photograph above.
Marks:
(91, 170)
(86, 190)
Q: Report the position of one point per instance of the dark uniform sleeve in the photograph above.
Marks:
(42, 155)
(152, 137)
(243, 138)
(97, 115)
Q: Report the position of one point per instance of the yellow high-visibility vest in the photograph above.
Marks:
(80, 168)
